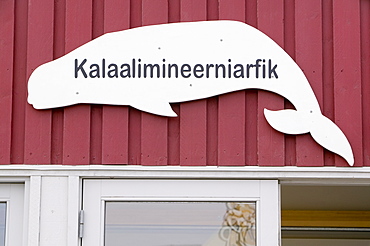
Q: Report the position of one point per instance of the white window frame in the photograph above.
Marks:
(264, 192)
(13, 196)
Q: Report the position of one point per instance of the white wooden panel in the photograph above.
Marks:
(54, 211)
(180, 188)
(34, 211)
(269, 213)
(73, 209)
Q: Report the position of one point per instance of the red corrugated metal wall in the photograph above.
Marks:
(329, 39)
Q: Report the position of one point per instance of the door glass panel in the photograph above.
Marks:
(2, 223)
(180, 224)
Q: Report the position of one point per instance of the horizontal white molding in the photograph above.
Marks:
(286, 175)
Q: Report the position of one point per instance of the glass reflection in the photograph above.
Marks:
(180, 224)
(238, 226)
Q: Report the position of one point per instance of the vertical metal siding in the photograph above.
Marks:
(330, 40)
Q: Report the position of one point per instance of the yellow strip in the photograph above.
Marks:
(314, 218)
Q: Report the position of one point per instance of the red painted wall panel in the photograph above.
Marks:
(19, 81)
(173, 144)
(251, 100)
(271, 144)
(328, 39)
(134, 140)
(58, 51)
(327, 72)
(308, 53)
(7, 12)
(115, 119)
(347, 74)
(290, 48)
(365, 72)
(231, 107)
(76, 127)
(37, 143)
(154, 129)
(193, 120)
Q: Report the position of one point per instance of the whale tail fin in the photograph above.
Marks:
(288, 121)
(330, 136)
(323, 130)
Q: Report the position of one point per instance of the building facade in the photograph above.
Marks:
(59, 162)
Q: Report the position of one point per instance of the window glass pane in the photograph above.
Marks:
(180, 224)
(2, 222)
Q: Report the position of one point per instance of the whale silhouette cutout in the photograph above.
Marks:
(150, 67)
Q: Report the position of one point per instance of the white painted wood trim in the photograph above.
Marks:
(269, 213)
(34, 211)
(74, 191)
(26, 211)
(301, 175)
(279, 218)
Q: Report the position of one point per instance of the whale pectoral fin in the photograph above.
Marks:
(156, 107)
(288, 121)
(330, 136)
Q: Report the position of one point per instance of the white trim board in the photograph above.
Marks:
(340, 175)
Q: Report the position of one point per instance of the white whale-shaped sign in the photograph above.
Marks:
(150, 67)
